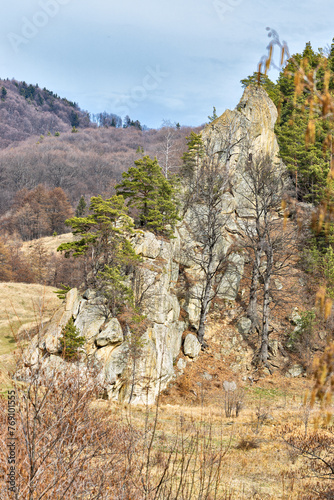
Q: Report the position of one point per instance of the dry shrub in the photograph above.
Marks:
(316, 448)
(247, 443)
(69, 448)
(65, 450)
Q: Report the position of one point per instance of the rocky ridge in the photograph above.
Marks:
(169, 308)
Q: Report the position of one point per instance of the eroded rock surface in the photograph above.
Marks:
(135, 371)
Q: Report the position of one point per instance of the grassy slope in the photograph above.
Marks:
(22, 306)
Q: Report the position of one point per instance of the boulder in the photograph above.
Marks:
(72, 302)
(191, 346)
(181, 364)
(244, 325)
(295, 371)
(111, 334)
(89, 320)
(146, 244)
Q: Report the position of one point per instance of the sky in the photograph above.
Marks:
(153, 60)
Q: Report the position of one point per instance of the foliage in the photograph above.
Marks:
(61, 293)
(303, 329)
(263, 80)
(107, 120)
(214, 115)
(111, 283)
(304, 126)
(318, 260)
(104, 238)
(193, 156)
(131, 123)
(39, 212)
(81, 164)
(71, 447)
(151, 195)
(81, 208)
(70, 341)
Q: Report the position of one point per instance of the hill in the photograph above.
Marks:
(88, 162)
(27, 110)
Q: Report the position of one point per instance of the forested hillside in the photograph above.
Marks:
(27, 110)
(85, 163)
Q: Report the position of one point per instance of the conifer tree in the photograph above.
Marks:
(193, 156)
(81, 208)
(104, 240)
(70, 341)
(214, 115)
(151, 195)
(265, 82)
(301, 130)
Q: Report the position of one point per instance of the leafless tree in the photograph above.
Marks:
(268, 244)
(168, 152)
(203, 240)
(208, 172)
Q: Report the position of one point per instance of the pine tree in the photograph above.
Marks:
(81, 208)
(308, 165)
(193, 156)
(70, 341)
(263, 80)
(104, 239)
(151, 195)
(214, 115)
(301, 129)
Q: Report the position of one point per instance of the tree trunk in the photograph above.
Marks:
(263, 354)
(252, 306)
(204, 312)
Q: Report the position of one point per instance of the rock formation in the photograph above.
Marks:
(249, 129)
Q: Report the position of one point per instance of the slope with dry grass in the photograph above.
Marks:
(22, 308)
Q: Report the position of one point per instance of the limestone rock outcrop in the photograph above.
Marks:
(136, 372)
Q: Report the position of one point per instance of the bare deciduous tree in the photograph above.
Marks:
(268, 244)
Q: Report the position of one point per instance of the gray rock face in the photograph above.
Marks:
(89, 320)
(191, 347)
(134, 370)
(111, 334)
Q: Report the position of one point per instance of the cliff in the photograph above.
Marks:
(167, 282)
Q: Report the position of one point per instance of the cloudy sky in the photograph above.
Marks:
(152, 59)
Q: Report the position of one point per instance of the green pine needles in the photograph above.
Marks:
(151, 196)
(70, 341)
(103, 244)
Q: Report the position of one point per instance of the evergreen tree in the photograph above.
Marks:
(301, 128)
(81, 208)
(151, 195)
(70, 341)
(3, 93)
(269, 86)
(214, 115)
(193, 156)
(104, 239)
(309, 166)
(75, 121)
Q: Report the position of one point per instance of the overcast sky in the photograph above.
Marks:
(152, 59)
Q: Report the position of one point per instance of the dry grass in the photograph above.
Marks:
(50, 243)
(258, 463)
(22, 307)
